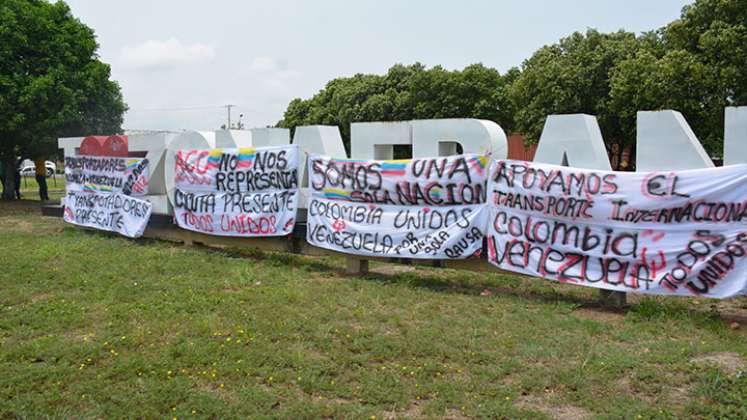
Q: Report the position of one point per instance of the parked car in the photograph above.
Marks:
(29, 169)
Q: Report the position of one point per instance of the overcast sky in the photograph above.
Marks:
(174, 54)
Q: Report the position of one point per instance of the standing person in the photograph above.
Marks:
(17, 180)
(41, 178)
(2, 176)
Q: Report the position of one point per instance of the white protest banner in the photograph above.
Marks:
(99, 190)
(237, 192)
(113, 212)
(107, 174)
(430, 208)
(670, 233)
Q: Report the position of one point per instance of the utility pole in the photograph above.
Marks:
(228, 110)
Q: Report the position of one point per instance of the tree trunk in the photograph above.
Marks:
(9, 178)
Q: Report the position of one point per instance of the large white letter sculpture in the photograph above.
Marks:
(429, 138)
(735, 135)
(664, 141)
(376, 140)
(572, 140)
(432, 138)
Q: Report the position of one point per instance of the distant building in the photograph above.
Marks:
(517, 150)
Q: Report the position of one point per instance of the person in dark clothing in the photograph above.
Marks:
(41, 178)
(2, 176)
(17, 180)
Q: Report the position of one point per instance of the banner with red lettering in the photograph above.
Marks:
(428, 208)
(669, 233)
(237, 192)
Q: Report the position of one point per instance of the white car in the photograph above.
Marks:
(29, 169)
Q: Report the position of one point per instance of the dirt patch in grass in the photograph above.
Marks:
(454, 414)
(21, 224)
(735, 317)
(511, 380)
(599, 314)
(214, 389)
(392, 269)
(730, 363)
(414, 411)
(324, 278)
(678, 394)
(556, 411)
(316, 354)
(731, 311)
(24, 216)
(675, 394)
(78, 334)
(624, 385)
(40, 296)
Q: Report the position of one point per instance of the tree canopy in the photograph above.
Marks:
(715, 31)
(695, 64)
(571, 76)
(406, 93)
(52, 83)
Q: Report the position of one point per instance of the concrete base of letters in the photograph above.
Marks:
(612, 299)
(356, 266)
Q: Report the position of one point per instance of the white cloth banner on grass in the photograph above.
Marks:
(237, 192)
(670, 232)
(430, 208)
(107, 174)
(113, 212)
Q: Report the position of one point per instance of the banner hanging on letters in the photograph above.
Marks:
(430, 208)
(99, 190)
(107, 174)
(237, 192)
(113, 212)
(670, 232)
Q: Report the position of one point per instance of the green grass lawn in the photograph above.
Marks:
(97, 326)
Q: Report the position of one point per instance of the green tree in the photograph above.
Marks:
(406, 93)
(52, 83)
(677, 80)
(695, 65)
(716, 32)
(571, 77)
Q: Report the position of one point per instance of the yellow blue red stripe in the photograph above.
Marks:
(394, 167)
(214, 158)
(246, 157)
(336, 194)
